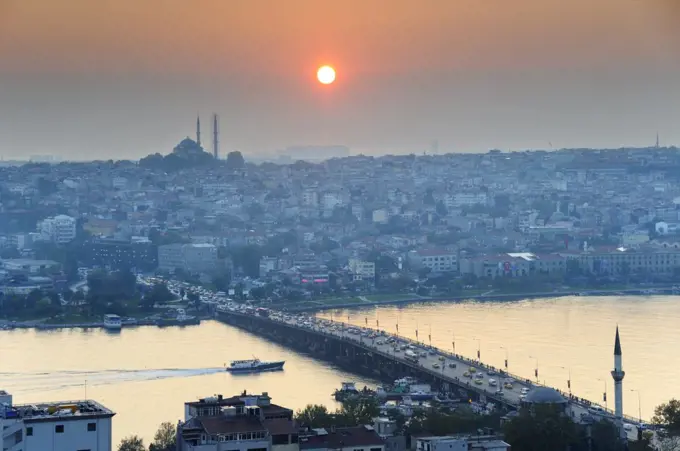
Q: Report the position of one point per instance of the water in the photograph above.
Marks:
(147, 373)
(559, 336)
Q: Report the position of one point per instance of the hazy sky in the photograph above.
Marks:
(123, 78)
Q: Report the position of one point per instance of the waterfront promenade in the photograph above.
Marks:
(357, 336)
(491, 295)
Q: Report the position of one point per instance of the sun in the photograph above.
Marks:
(325, 75)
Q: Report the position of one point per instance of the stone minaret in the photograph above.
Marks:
(198, 130)
(618, 375)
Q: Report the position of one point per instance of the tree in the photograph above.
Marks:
(314, 416)
(605, 436)
(540, 428)
(235, 160)
(194, 300)
(165, 438)
(667, 415)
(159, 294)
(357, 411)
(132, 443)
(669, 444)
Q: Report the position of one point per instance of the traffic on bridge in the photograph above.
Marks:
(459, 370)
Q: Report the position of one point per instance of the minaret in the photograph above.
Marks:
(618, 375)
(657, 140)
(198, 130)
(216, 133)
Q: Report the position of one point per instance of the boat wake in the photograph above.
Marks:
(40, 381)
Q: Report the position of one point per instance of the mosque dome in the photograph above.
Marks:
(544, 395)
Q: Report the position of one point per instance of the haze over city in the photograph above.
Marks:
(122, 79)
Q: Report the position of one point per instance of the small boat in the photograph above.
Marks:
(348, 390)
(254, 366)
(112, 322)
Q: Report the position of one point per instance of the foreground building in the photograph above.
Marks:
(54, 426)
(239, 423)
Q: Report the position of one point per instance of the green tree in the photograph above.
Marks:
(358, 411)
(194, 300)
(314, 416)
(132, 443)
(540, 428)
(605, 436)
(667, 415)
(165, 438)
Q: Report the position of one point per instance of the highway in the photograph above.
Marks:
(395, 347)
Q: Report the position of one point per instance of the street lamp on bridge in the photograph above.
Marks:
(568, 380)
(506, 357)
(479, 349)
(535, 367)
(604, 395)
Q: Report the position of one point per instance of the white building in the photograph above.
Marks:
(465, 199)
(60, 229)
(55, 426)
(193, 258)
(361, 269)
(461, 443)
(438, 260)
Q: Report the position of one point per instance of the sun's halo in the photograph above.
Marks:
(325, 75)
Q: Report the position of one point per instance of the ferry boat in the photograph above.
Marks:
(112, 322)
(254, 366)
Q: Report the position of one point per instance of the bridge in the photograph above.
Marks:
(351, 347)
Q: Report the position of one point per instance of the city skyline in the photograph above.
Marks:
(122, 80)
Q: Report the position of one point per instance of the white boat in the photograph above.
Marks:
(254, 366)
(112, 322)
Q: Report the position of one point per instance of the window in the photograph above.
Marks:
(91, 427)
(59, 429)
(29, 432)
(376, 449)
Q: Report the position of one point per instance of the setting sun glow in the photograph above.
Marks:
(326, 75)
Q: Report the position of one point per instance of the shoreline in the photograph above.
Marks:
(37, 325)
(493, 297)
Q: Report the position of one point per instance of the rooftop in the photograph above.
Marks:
(342, 438)
(52, 411)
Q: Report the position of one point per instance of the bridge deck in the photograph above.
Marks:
(324, 329)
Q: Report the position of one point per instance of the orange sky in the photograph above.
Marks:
(276, 45)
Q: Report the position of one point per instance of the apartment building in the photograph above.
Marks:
(238, 423)
(437, 260)
(361, 269)
(83, 425)
(60, 229)
(193, 258)
(358, 438)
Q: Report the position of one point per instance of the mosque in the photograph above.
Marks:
(547, 395)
